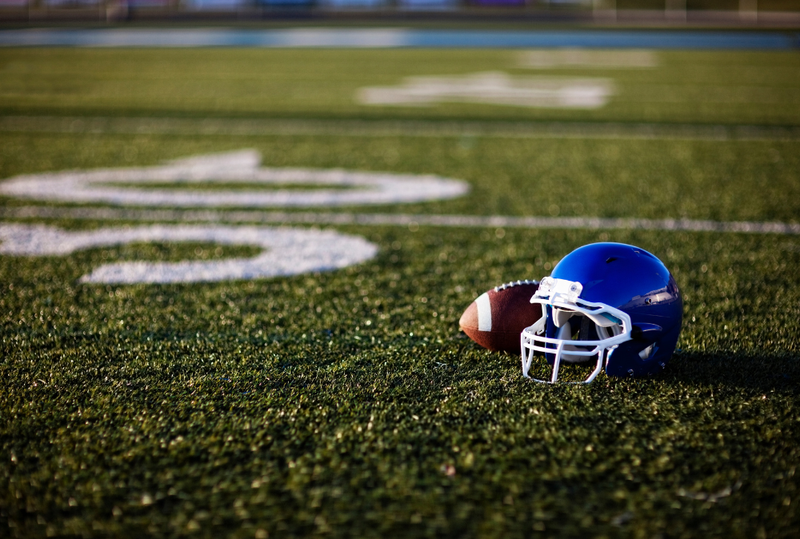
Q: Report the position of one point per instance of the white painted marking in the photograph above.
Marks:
(288, 251)
(588, 58)
(399, 219)
(353, 37)
(337, 187)
(484, 312)
(494, 88)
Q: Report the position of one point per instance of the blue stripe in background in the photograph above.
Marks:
(391, 37)
(606, 39)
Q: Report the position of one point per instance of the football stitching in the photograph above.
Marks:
(513, 284)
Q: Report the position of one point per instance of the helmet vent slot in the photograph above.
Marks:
(610, 259)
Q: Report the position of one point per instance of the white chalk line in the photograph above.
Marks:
(405, 220)
(400, 128)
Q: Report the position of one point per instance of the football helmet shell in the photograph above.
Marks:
(612, 302)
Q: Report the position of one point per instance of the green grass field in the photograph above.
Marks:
(347, 403)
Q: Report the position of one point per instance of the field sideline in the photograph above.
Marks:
(343, 400)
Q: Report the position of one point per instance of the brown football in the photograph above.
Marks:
(497, 317)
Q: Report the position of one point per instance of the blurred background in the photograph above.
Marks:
(728, 12)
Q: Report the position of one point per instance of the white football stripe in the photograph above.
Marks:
(484, 312)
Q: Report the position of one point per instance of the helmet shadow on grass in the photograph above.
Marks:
(776, 371)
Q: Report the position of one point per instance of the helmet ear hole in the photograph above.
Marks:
(647, 352)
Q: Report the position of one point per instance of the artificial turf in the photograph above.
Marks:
(348, 403)
(618, 177)
(746, 87)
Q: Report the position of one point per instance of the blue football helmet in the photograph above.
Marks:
(612, 303)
